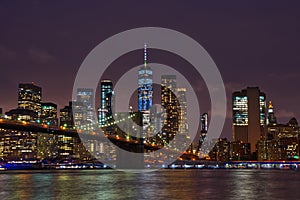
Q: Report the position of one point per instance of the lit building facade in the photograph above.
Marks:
(66, 117)
(145, 89)
(79, 111)
(86, 96)
(169, 103)
(183, 124)
(105, 110)
(145, 94)
(249, 115)
(30, 97)
(280, 143)
(16, 145)
(204, 128)
(22, 115)
(49, 114)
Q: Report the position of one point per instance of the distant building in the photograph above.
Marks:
(240, 151)
(79, 111)
(1, 112)
(280, 143)
(30, 97)
(249, 117)
(105, 110)
(271, 120)
(49, 114)
(204, 128)
(221, 150)
(16, 145)
(183, 136)
(66, 117)
(86, 96)
(182, 118)
(22, 115)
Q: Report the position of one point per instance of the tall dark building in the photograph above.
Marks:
(49, 114)
(30, 97)
(249, 117)
(106, 101)
(170, 104)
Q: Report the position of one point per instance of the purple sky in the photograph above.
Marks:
(254, 43)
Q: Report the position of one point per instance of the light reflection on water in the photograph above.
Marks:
(164, 184)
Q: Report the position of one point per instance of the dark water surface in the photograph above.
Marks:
(163, 184)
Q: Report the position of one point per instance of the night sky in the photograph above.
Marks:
(253, 43)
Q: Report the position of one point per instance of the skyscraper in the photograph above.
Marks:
(170, 105)
(145, 94)
(106, 101)
(183, 125)
(204, 122)
(86, 96)
(30, 97)
(145, 90)
(204, 128)
(249, 115)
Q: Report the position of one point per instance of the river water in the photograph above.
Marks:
(162, 184)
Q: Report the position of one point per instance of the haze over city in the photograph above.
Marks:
(252, 45)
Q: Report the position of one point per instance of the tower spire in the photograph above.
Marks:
(145, 54)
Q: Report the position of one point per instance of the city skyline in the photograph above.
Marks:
(149, 99)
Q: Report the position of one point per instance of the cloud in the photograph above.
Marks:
(40, 56)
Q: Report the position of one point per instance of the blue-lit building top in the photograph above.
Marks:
(145, 89)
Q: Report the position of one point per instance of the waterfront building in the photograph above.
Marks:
(280, 143)
(221, 150)
(18, 145)
(249, 117)
(240, 151)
